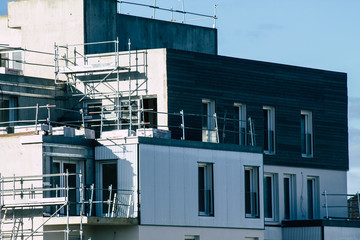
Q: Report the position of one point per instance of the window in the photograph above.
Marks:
(270, 191)
(108, 180)
(7, 115)
(251, 191)
(150, 117)
(289, 197)
(4, 60)
(206, 193)
(70, 166)
(306, 134)
(269, 130)
(208, 121)
(11, 60)
(312, 197)
(240, 124)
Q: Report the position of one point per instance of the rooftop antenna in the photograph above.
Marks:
(183, 10)
(154, 8)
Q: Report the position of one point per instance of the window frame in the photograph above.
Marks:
(273, 196)
(241, 117)
(208, 199)
(79, 164)
(313, 202)
(307, 143)
(254, 187)
(12, 113)
(269, 127)
(291, 197)
(208, 121)
(100, 182)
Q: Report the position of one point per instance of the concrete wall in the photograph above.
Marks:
(37, 25)
(102, 23)
(169, 190)
(147, 33)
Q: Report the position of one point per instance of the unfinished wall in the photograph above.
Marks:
(102, 23)
(41, 23)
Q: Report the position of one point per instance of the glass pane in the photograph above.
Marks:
(287, 198)
(268, 197)
(266, 129)
(71, 168)
(310, 192)
(109, 177)
(247, 192)
(303, 138)
(201, 189)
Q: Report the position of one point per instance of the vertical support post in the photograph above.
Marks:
(67, 56)
(130, 118)
(182, 124)
(114, 207)
(67, 204)
(154, 9)
(81, 189)
(48, 118)
(117, 102)
(215, 7)
(130, 114)
(101, 121)
(56, 60)
(109, 200)
(74, 56)
(83, 120)
(23, 63)
(14, 186)
(183, 10)
(326, 205)
(37, 119)
(216, 128)
(91, 199)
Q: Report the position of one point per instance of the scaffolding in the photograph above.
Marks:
(28, 204)
(108, 83)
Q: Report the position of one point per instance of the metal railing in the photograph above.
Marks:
(58, 195)
(341, 206)
(109, 117)
(154, 7)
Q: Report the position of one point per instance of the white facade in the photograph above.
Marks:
(329, 181)
(169, 188)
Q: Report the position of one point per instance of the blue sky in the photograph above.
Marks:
(321, 34)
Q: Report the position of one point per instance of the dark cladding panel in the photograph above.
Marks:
(289, 89)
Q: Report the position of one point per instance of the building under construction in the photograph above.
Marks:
(121, 127)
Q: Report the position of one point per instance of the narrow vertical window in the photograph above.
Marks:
(240, 124)
(252, 192)
(269, 129)
(208, 122)
(306, 134)
(289, 197)
(206, 193)
(108, 180)
(312, 198)
(8, 115)
(269, 197)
